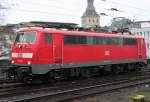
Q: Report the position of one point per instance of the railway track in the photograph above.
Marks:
(66, 91)
(5, 81)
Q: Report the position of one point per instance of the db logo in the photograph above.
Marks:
(19, 55)
(107, 53)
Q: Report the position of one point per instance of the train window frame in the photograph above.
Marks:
(100, 40)
(23, 39)
(107, 41)
(142, 41)
(75, 40)
(49, 40)
(129, 41)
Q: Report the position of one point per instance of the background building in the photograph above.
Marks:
(142, 28)
(90, 17)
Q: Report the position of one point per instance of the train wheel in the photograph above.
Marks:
(138, 68)
(102, 72)
(16, 78)
(131, 67)
(49, 78)
(27, 80)
(85, 73)
(116, 69)
(9, 76)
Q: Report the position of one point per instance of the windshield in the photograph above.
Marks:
(25, 37)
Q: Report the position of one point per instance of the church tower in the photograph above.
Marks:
(90, 17)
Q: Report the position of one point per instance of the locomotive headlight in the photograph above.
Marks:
(12, 61)
(29, 62)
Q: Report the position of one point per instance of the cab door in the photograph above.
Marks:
(48, 47)
(139, 48)
(57, 48)
(143, 48)
(45, 49)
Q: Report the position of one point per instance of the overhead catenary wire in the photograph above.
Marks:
(131, 7)
(71, 12)
(70, 9)
(143, 10)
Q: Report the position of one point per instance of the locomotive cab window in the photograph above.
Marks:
(48, 38)
(25, 37)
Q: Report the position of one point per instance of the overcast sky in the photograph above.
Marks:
(72, 10)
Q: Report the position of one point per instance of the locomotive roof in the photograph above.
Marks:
(67, 32)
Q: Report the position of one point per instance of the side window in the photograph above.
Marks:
(75, 39)
(48, 38)
(142, 41)
(107, 40)
(129, 41)
(99, 40)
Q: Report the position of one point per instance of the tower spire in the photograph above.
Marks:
(90, 17)
(90, 4)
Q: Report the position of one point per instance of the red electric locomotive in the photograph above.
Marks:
(52, 54)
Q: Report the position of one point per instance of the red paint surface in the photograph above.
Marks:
(57, 52)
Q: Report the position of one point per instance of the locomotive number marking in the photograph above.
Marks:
(19, 55)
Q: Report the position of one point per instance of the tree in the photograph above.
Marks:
(120, 24)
